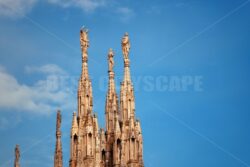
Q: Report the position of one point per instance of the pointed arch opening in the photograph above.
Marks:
(75, 137)
(119, 149)
(103, 155)
(89, 135)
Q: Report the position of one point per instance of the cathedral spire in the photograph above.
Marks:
(17, 156)
(58, 150)
(127, 90)
(111, 109)
(132, 156)
(112, 98)
(84, 135)
(85, 103)
(84, 42)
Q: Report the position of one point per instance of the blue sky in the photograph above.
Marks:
(189, 63)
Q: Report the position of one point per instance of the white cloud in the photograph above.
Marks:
(125, 13)
(45, 96)
(19, 8)
(47, 69)
(86, 5)
(15, 8)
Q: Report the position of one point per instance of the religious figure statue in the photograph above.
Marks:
(111, 59)
(84, 41)
(125, 46)
(59, 120)
(17, 156)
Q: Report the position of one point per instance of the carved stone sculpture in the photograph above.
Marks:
(125, 46)
(84, 41)
(111, 59)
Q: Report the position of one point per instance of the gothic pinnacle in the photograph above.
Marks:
(85, 100)
(17, 156)
(58, 123)
(84, 42)
(58, 150)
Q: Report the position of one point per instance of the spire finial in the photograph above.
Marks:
(125, 46)
(58, 121)
(17, 156)
(111, 59)
(125, 50)
(84, 41)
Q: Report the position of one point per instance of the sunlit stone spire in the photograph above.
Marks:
(131, 138)
(85, 138)
(111, 97)
(127, 91)
(85, 98)
(111, 110)
(121, 144)
(58, 151)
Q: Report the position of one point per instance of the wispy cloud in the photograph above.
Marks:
(125, 13)
(15, 8)
(44, 96)
(19, 8)
(47, 69)
(85, 5)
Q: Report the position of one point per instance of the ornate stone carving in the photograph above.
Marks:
(125, 46)
(84, 41)
(111, 59)
(91, 147)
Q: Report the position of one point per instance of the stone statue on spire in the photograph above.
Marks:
(125, 46)
(111, 59)
(58, 120)
(17, 156)
(84, 41)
